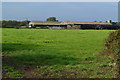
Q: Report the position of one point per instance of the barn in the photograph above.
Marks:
(46, 24)
(72, 25)
(88, 25)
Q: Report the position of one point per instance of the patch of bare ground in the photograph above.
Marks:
(26, 70)
(61, 74)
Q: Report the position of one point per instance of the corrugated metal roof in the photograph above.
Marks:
(45, 23)
(68, 22)
(81, 22)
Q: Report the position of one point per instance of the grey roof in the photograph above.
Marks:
(85, 22)
(68, 22)
(45, 23)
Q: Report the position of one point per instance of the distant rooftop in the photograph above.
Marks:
(68, 22)
(85, 22)
(45, 23)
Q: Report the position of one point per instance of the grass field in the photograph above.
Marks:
(45, 53)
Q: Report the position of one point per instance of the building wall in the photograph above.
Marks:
(92, 26)
(50, 26)
(73, 26)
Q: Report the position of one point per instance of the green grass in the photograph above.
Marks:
(10, 72)
(57, 53)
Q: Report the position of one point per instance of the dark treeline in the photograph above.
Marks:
(13, 24)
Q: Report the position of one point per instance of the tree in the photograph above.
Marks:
(52, 19)
(14, 24)
(24, 23)
(10, 24)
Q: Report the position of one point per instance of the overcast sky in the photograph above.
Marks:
(75, 11)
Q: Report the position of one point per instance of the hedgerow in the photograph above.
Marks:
(113, 48)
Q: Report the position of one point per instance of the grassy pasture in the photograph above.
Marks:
(39, 53)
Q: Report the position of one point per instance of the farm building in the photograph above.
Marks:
(89, 25)
(72, 25)
(45, 24)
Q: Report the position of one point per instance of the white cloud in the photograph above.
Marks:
(60, 0)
